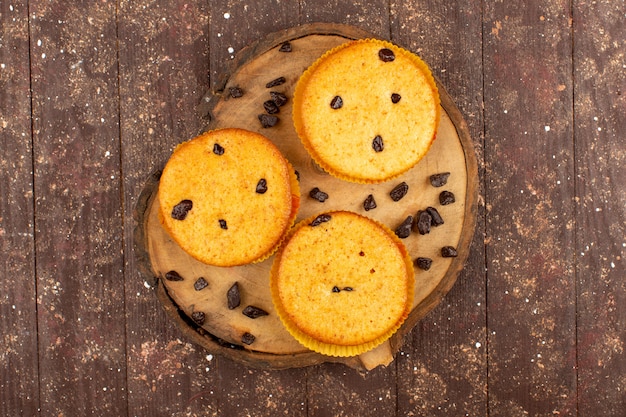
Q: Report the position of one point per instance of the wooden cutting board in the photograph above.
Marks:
(222, 330)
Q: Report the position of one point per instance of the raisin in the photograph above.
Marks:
(423, 223)
(261, 186)
(200, 284)
(395, 97)
(198, 317)
(318, 195)
(235, 92)
(449, 252)
(439, 180)
(247, 338)
(223, 224)
(275, 82)
(347, 289)
(322, 218)
(423, 263)
(336, 289)
(399, 191)
(404, 230)
(270, 107)
(233, 297)
(180, 210)
(278, 98)
(446, 197)
(268, 120)
(437, 220)
(369, 203)
(285, 47)
(386, 55)
(218, 149)
(378, 144)
(336, 102)
(173, 276)
(254, 312)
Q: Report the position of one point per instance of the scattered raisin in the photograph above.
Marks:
(446, 197)
(439, 180)
(437, 220)
(268, 120)
(424, 221)
(254, 312)
(285, 47)
(336, 102)
(223, 224)
(180, 210)
(448, 252)
(423, 263)
(270, 107)
(173, 276)
(395, 97)
(275, 82)
(278, 98)
(369, 203)
(386, 55)
(404, 230)
(378, 144)
(261, 186)
(399, 191)
(318, 195)
(198, 317)
(235, 92)
(322, 218)
(233, 297)
(247, 338)
(218, 149)
(200, 284)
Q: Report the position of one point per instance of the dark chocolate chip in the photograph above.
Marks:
(378, 144)
(423, 263)
(446, 197)
(437, 220)
(336, 102)
(270, 107)
(233, 297)
(285, 47)
(268, 120)
(278, 98)
(297, 174)
(404, 230)
(386, 55)
(318, 195)
(399, 191)
(173, 276)
(235, 92)
(223, 224)
(275, 82)
(439, 180)
(322, 218)
(200, 284)
(369, 203)
(347, 289)
(448, 252)
(336, 289)
(218, 149)
(180, 210)
(254, 312)
(261, 186)
(423, 222)
(395, 97)
(247, 338)
(198, 317)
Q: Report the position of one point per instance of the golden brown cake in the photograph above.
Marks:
(342, 283)
(367, 110)
(228, 197)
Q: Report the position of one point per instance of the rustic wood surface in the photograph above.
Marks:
(94, 95)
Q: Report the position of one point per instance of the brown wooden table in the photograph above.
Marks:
(94, 95)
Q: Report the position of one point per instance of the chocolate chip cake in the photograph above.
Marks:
(342, 283)
(228, 196)
(367, 110)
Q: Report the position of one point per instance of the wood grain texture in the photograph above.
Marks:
(19, 378)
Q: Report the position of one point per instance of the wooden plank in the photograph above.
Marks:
(455, 331)
(600, 106)
(529, 160)
(19, 384)
(369, 15)
(80, 293)
(163, 61)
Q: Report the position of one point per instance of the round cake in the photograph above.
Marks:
(342, 283)
(367, 110)
(228, 196)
